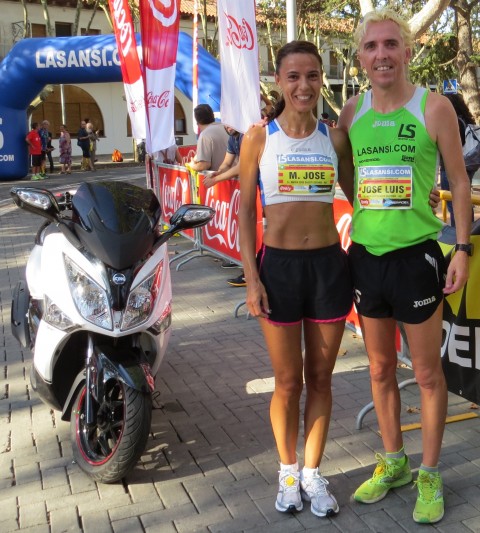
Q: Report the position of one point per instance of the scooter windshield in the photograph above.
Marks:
(115, 221)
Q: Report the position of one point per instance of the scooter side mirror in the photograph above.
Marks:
(37, 201)
(190, 216)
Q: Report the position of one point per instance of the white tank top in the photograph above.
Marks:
(297, 170)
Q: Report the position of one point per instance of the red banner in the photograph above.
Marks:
(342, 212)
(221, 233)
(175, 189)
(187, 152)
(129, 65)
(160, 21)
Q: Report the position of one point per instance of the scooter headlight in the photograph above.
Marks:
(56, 317)
(141, 300)
(90, 299)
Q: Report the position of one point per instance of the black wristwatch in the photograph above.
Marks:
(468, 248)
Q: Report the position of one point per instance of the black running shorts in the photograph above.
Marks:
(36, 160)
(405, 284)
(306, 284)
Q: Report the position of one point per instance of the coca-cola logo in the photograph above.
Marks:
(343, 228)
(158, 100)
(165, 11)
(137, 104)
(239, 35)
(174, 196)
(224, 225)
(124, 25)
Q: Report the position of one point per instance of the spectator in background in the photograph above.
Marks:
(50, 149)
(212, 141)
(229, 169)
(326, 120)
(83, 140)
(93, 137)
(230, 166)
(65, 146)
(169, 156)
(266, 105)
(44, 137)
(35, 150)
(464, 118)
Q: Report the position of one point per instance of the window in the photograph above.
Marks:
(180, 120)
(63, 29)
(83, 31)
(39, 30)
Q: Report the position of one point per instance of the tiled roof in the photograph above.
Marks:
(326, 24)
(186, 7)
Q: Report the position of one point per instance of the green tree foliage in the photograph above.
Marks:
(435, 61)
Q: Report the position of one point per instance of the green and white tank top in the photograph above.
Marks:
(396, 165)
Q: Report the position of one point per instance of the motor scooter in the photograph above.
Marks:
(96, 310)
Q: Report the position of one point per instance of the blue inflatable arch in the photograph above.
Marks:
(34, 63)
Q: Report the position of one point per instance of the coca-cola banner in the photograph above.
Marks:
(130, 66)
(240, 103)
(174, 189)
(159, 21)
(187, 152)
(220, 235)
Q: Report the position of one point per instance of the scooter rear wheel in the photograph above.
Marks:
(109, 449)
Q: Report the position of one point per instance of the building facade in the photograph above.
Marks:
(104, 103)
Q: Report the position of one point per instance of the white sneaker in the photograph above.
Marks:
(288, 498)
(314, 490)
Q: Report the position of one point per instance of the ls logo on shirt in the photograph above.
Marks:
(407, 131)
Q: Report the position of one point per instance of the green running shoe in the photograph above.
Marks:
(429, 507)
(389, 474)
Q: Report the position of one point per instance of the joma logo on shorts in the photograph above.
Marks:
(421, 303)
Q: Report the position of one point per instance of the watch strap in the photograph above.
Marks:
(468, 248)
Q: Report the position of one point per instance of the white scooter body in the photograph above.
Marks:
(47, 277)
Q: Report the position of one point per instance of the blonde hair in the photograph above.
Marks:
(380, 15)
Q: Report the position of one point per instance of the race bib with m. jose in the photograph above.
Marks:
(385, 187)
(312, 174)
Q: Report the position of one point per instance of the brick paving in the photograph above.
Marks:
(210, 464)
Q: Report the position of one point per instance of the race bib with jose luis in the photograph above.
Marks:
(385, 187)
(305, 174)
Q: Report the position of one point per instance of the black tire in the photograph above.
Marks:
(113, 446)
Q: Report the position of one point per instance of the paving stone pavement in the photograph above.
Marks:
(210, 463)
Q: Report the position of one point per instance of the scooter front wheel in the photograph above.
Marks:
(107, 450)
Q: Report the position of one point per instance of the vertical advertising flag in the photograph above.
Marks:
(240, 104)
(159, 20)
(129, 65)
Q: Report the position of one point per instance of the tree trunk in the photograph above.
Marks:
(467, 71)
(94, 12)
(25, 19)
(46, 16)
(76, 22)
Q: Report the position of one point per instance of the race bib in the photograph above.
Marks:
(302, 174)
(387, 187)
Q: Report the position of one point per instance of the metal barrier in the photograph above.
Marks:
(446, 196)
